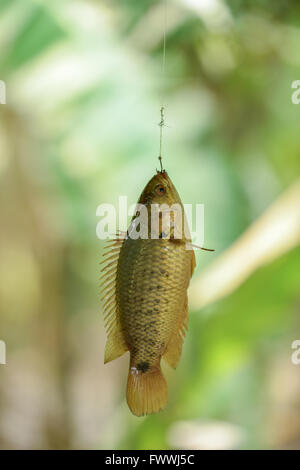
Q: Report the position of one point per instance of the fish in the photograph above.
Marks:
(145, 282)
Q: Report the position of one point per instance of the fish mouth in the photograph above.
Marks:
(164, 175)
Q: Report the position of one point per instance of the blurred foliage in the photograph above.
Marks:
(84, 87)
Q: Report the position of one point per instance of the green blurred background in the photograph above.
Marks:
(79, 128)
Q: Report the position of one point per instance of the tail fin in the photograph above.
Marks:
(147, 392)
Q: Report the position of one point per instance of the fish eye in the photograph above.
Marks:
(160, 189)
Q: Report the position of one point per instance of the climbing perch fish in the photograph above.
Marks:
(145, 300)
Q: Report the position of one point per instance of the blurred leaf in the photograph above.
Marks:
(39, 32)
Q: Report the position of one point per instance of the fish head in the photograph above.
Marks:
(160, 190)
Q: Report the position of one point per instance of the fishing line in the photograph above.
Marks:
(162, 108)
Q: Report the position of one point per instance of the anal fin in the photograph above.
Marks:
(174, 348)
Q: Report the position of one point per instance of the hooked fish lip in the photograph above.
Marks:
(163, 173)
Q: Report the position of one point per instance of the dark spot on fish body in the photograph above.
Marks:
(143, 366)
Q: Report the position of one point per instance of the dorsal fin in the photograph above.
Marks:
(115, 344)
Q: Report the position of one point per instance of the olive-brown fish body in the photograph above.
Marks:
(153, 277)
(146, 307)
